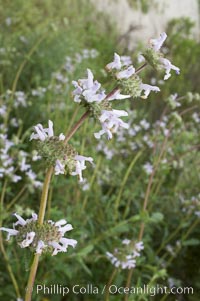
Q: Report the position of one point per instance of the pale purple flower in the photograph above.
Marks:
(39, 92)
(111, 122)
(8, 21)
(196, 117)
(126, 241)
(3, 110)
(126, 263)
(32, 177)
(32, 238)
(119, 62)
(40, 246)
(41, 133)
(15, 178)
(116, 64)
(140, 58)
(120, 258)
(126, 60)
(64, 242)
(14, 122)
(59, 168)
(117, 95)
(44, 133)
(167, 65)
(61, 137)
(80, 165)
(139, 245)
(145, 124)
(20, 99)
(85, 185)
(88, 89)
(157, 43)
(88, 83)
(28, 240)
(147, 89)
(23, 165)
(148, 167)
(197, 213)
(35, 156)
(124, 74)
(11, 232)
(22, 222)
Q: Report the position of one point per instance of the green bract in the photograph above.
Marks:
(53, 149)
(131, 86)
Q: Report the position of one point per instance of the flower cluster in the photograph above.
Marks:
(89, 93)
(191, 206)
(62, 156)
(14, 163)
(125, 258)
(127, 78)
(60, 78)
(155, 58)
(48, 237)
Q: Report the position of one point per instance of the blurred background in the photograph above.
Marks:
(44, 45)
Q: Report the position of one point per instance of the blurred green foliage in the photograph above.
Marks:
(38, 36)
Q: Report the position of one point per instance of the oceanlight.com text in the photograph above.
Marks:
(90, 289)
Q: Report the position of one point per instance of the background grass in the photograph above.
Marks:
(38, 36)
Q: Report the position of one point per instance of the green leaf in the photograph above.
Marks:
(84, 266)
(144, 215)
(85, 251)
(157, 217)
(191, 242)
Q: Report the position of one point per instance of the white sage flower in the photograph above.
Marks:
(147, 89)
(124, 74)
(168, 66)
(126, 257)
(157, 43)
(48, 237)
(44, 133)
(111, 122)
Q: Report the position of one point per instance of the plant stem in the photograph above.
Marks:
(76, 127)
(8, 266)
(42, 210)
(125, 180)
(33, 271)
(141, 68)
(16, 197)
(109, 283)
(194, 224)
(172, 235)
(146, 199)
(23, 64)
(91, 182)
(43, 202)
(72, 119)
(19, 71)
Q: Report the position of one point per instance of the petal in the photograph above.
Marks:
(41, 245)
(20, 221)
(61, 137)
(50, 129)
(61, 222)
(28, 240)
